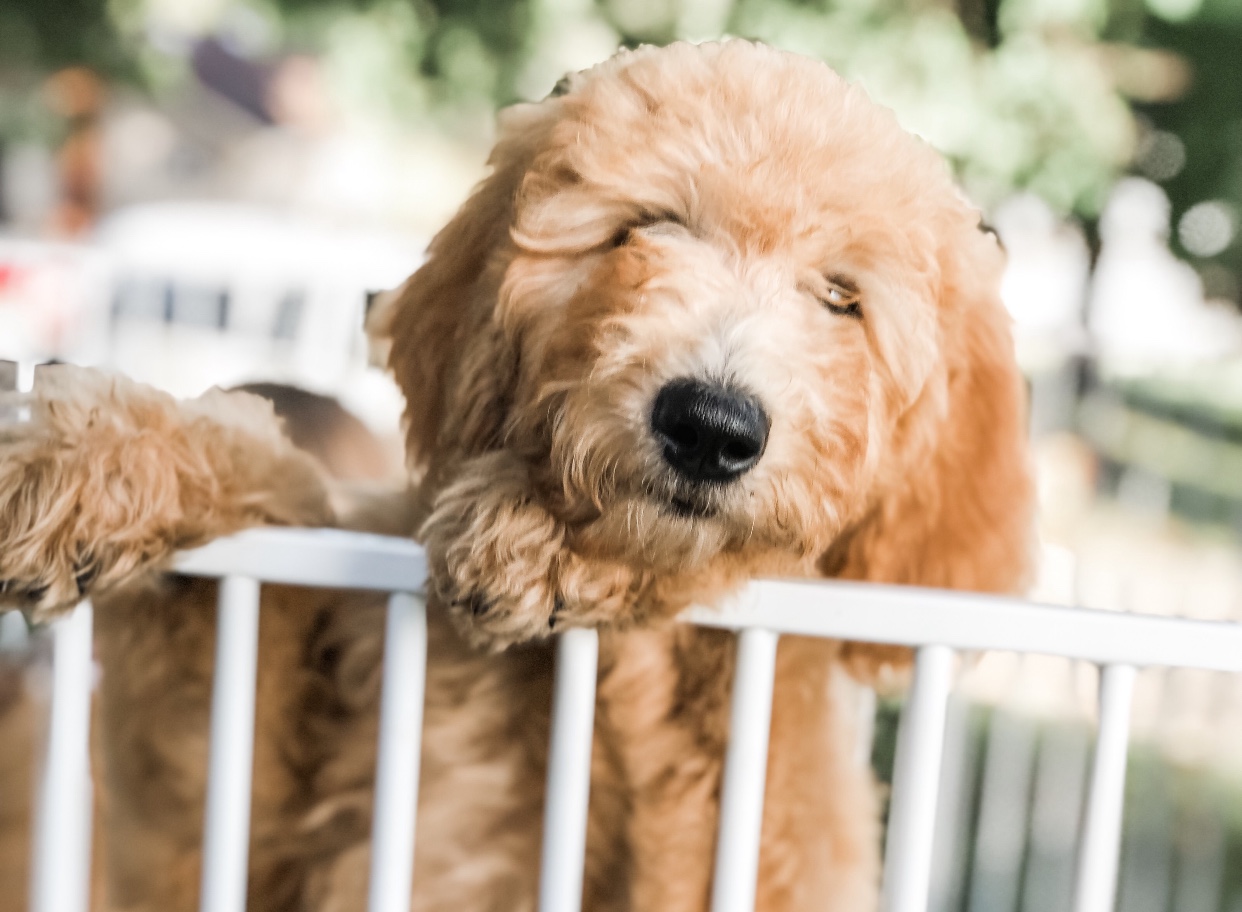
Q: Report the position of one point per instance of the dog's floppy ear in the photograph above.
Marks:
(430, 325)
(960, 515)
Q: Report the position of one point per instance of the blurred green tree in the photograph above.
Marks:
(1054, 96)
(1201, 131)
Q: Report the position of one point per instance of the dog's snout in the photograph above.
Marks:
(708, 432)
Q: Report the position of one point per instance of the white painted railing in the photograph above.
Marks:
(939, 624)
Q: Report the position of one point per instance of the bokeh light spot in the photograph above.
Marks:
(1160, 155)
(1206, 228)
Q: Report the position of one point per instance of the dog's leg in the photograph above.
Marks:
(502, 563)
(663, 710)
(110, 478)
(821, 840)
(483, 768)
(19, 725)
(375, 507)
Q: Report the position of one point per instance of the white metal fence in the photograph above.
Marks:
(938, 624)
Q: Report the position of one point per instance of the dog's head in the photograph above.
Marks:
(720, 302)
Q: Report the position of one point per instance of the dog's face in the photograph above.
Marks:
(718, 304)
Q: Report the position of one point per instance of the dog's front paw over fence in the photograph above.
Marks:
(938, 624)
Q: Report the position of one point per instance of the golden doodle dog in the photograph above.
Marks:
(713, 315)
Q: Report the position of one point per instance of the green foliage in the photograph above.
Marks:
(46, 34)
(1207, 120)
(1032, 111)
(37, 36)
(1020, 94)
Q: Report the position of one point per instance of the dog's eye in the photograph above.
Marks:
(842, 298)
(626, 234)
(622, 237)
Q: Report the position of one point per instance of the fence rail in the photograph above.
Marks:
(938, 624)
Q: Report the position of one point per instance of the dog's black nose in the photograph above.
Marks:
(709, 433)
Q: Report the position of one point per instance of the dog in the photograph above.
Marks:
(154, 640)
(713, 315)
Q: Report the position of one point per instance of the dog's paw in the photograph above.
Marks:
(46, 592)
(78, 485)
(495, 569)
(503, 565)
(109, 478)
(59, 530)
(496, 620)
(46, 563)
(500, 591)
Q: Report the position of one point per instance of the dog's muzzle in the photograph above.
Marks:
(709, 433)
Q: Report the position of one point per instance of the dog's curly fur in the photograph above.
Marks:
(676, 212)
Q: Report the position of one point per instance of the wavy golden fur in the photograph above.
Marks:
(684, 212)
(531, 345)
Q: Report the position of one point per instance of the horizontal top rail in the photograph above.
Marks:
(913, 616)
(312, 557)
(867, 612)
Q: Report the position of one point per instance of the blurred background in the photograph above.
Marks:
(202, 192)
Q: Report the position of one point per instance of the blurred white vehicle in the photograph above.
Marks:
(53, 301)
(189, 295)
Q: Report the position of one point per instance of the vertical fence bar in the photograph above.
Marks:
(569, 772)
(400, 740)
(916, 779)
(1095, 885)
(61, 876)
(745, 773)
(951, 851)
(226, 830)
(12, 624)
(9, 410)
